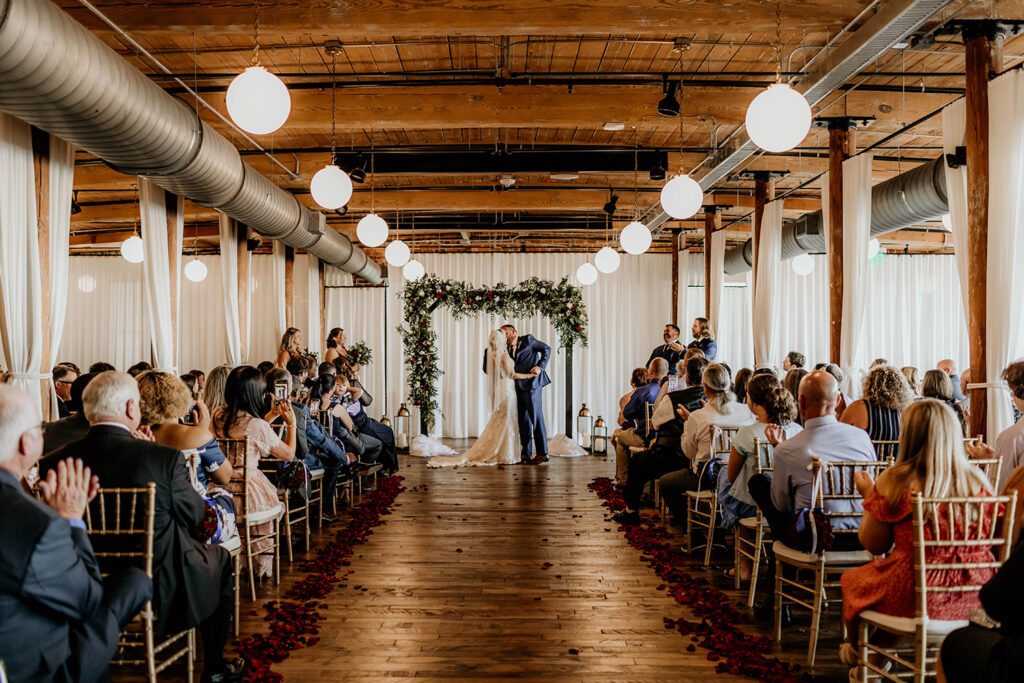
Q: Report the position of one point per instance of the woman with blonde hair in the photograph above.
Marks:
(913, 378)
(932, 463)
(291, 347)
(886, 394)
(937, 385)
(213, 392)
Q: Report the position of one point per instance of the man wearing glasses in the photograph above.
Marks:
(63, 378)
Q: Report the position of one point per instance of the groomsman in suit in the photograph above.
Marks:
(59, 619)
(672, 350)
(530, 356)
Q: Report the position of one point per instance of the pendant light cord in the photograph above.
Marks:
(778, 41)
(256, 36)
(334, 135)
(373, 176)
(636, 173)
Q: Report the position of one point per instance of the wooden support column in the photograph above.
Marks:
(289, 286)
(838, 152)
(41, 166)
(244, 285)
(676, 245)
(174, 265)
(978, 65)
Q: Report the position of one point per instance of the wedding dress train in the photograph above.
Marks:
(499, 442)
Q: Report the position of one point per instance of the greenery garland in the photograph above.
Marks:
(561, 303)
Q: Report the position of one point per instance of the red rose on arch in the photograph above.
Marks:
(578, 328)
(490, 295)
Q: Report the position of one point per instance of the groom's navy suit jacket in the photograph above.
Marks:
(529, 352)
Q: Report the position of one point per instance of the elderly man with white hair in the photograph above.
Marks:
(193, 581)
(60, 619)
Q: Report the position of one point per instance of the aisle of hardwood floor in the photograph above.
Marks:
(486, 574)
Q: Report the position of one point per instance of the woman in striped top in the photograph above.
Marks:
(886, 394)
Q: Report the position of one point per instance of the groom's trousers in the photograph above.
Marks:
(531, 422)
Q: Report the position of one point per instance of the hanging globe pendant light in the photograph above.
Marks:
(397, 253)
(681, 197)
(131, 249)
(607, 260)
(635, 238)
(258, 101)
(586, 274)
(803, 265)
(778, 119)
(413, 270)
(331, 187)
(195, 270)
(372, 230)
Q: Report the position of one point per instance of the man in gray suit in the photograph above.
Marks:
(59, 620)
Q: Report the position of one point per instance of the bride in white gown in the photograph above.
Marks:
(499, 442)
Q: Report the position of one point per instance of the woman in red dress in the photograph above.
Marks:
(931, 462)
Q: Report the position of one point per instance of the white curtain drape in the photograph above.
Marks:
(314, 304)
(62, 177)
(685, 259)
(21, 323)
(856, 234)
(953, 131)
(279, 294)
(1005, 281)
(735, 342)
(717, 278)
(803, 311)
(229, 290)
(767, 263)
(161, 259)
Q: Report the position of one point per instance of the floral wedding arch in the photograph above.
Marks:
(561, 303)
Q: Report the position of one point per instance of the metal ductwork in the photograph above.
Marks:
(909, 198)
(57, 76)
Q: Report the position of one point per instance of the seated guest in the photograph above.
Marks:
(243, 417)
(951, 369)
(72, 428)
(913, 378)
(191, 384)
(63, 378)
(139, 368)
(703, 339)
(937, 385)
(837, 372)
(347, 396)
(320, 449)
(200, 381)
(991, 647)
(771, 405)
(878, 362)
(366, 448)
(671, 349)
(632, 420)
(820, 366)
(59, 619)
(213, 391)
(794, 359)
(886, 393)
(791, 382)
(100, 366)
(78, 370)
(193, 582)
(932, 463)
(264, 367)
(739, 384)
(664, 419)
(638, 378)
(163, 399)
(720, 412)
(823, 437)
(1010, 442)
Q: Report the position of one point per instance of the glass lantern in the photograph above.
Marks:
(585, 428)
(403, 427)
(600, 436)
(385, 421)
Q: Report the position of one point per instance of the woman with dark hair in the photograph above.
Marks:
(335, 344)
(242, 417)
(346, 398)
(740, 382)
(291, 347)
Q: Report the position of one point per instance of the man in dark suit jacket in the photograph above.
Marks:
(530, 355)
(193, 581)
(702, 338)
(59, 620)
(672, 350)
(72, 428)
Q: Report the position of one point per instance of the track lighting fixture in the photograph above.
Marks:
(669, 105)
(609, 207)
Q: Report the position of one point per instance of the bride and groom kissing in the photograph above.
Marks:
(515, 370)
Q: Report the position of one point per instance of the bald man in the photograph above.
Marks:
(949, 366)
(823, 437)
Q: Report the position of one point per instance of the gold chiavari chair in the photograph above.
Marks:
(295, 513)
(125, 517)
(979, 527)
(825, 567)
(703, 503)
(247, 519)
(887, 450)
(753, 548)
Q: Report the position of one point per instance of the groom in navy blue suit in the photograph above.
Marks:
(530, 357)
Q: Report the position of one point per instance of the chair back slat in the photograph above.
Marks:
(837, 484)
(326, 419)
(192, 465)
(721, 441)
(765, 454)
(127, 514)
(236, 452)
(970, 522)
(648, 416)
(886, 450)
(992, 467)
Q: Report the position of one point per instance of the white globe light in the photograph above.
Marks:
(397, 253)
(803, 265)
(681, 197)
(258, 101)
(635, 238)
(586, 274)
(947, 221)
(607, 260)
(778, 119)
(413, 270)
(131, 249)
(331, 187)
(87, 284)
(874, 246)
(195, 270)
(372, 230)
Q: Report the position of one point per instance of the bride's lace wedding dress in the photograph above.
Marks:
(499, 442)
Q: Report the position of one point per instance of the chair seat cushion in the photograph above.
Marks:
(264, 515)
(233, 545)
(700, 494)
(751, 522)
(909, 624)
(318, 473)
(852, 557)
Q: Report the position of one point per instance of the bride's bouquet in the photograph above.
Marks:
(359, 354)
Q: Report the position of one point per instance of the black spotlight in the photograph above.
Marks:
(343, 210)
(75, 206)
(358, 174)
(657, 173)
(609, 207)
(669, 105)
